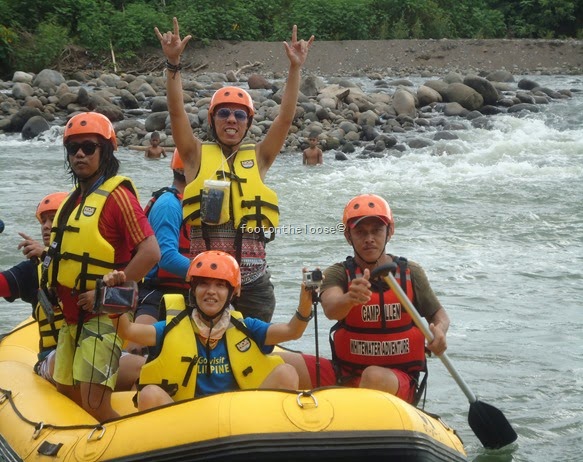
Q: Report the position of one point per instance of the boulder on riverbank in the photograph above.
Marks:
(334, 106)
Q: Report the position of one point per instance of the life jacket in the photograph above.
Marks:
(253, 205)
(174, 368)
(48, 330)
(79, 254)
(165, 278)
(380, 332)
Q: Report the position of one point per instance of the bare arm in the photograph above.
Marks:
(147, 254)
(337, 303)
(142, 334)
(293, 330)
(320, 157)
(268, 149)
(187, 144)
(304, 158)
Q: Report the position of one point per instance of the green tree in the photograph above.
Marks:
(39, 51)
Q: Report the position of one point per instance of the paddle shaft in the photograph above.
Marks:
(421, 323)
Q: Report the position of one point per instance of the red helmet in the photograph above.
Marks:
(176, 162)
(90, 123)
(368, 205)
(216, 264)
(233, 95)
(50, 203)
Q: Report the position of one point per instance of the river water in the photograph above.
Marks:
(496, 220)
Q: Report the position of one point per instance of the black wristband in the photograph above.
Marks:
(303, 318)
(174, 68)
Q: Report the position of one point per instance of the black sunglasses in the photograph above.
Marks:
(88, 148)
(224, 113)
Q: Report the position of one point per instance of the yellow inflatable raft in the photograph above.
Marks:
(328, 424)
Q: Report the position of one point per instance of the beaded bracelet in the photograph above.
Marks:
(174, 68)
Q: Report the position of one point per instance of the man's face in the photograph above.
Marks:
(369, 238)
(231, 123)
(83, 163)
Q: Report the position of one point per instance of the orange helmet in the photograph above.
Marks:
(176, 162)
(50, 203)
(90, 123)
(215, 264)
(368, 205)
(234, 95)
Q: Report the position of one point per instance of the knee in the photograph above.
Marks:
(285, 376)
(379, 378)
(152, 396)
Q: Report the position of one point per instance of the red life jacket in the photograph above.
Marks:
(380, 332)
(164, 278)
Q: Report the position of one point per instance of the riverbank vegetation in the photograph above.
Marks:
(35, 34)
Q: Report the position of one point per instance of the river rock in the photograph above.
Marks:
(33, 127)
(464, 95)
(48, 80)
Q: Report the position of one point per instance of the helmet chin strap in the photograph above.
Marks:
(205, 316)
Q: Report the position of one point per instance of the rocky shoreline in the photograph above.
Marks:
(331, 103)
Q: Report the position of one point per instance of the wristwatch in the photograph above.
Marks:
(301, 317)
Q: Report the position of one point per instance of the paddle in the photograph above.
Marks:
(487, 422)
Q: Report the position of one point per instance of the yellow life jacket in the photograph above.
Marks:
(48, 330)
(253, 204)
(79, 254)
(174, 369)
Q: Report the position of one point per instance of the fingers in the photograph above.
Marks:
(25, 236)
(176, 28)
(86, 301)
(158, 34)
(294, 37)
(114, 278)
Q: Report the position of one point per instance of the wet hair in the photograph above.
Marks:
(155, 135)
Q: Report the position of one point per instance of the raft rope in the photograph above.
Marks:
(39, 426)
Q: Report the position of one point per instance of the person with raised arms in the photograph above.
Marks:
(226, 200)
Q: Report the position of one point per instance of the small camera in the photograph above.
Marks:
(117, 299)
(313, 279)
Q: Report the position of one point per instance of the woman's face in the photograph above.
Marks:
(211, 295)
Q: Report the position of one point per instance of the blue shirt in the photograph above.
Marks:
(221, 378)
(165, 217)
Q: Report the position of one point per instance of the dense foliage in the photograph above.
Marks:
(34, 34)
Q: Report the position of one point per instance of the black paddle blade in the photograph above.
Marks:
(490, 425)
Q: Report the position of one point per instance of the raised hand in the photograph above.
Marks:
(30, 247)
(172, 45)
(297, 51)
(359, 292)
